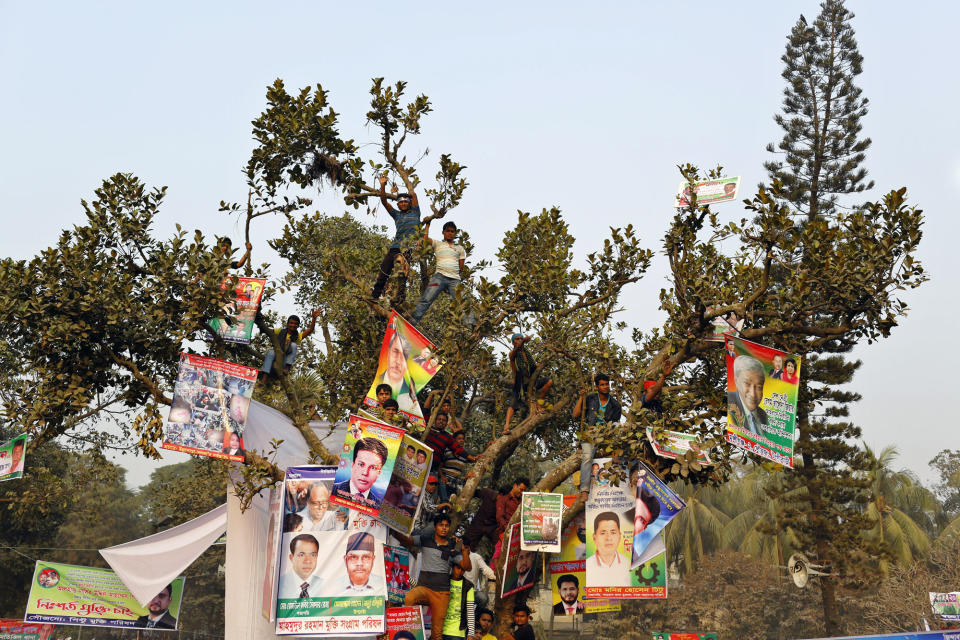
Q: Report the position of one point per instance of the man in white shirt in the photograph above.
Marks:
(606, 567)
(299, 582)
(479, 568)
(450, 259)
(316, 515)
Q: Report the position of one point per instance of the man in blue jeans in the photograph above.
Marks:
(450, 259)
(597, 409)
(406, 218)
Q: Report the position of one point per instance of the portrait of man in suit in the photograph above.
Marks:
(525, 570)
(369, 456)
(158, 614)
(568, 587)
(744, 403)
(299, 581)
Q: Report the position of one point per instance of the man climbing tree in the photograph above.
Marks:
(407, 219)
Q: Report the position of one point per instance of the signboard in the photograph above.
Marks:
(708, 191)
(540, 517)
(762, 387)
(211, 399)
(676, 444)
(404, 623)
(67, 594)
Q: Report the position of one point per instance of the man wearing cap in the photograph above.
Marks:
(407, 219)
(450, 259)
(359, 561)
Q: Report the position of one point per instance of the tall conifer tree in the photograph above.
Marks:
(822, 150)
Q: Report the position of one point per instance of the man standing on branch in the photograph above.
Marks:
(407, 219)
(597, 409)
(450, 258)
(523, 366)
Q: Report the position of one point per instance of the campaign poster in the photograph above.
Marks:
(664, 635)
(708, 191)
(242, 310)
(339, 591)
(675, 444)
(306, 501)
(762, 386)
(656, 506)
(268, 595)
(648, 580)
(945, 606)
(93, 597)
(566, 580)
(401, 502)
(396, 565)
(12, 458)
(20, 630)
(211, 399)
(366, 465)
(609, 529)
(520, 567)
(540, 517)
(728, 324)
(571, 560)
(405, 623)
(407, 363)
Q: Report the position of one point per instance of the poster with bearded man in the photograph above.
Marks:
(406, 365)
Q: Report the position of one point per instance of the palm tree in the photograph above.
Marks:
(697, 530)
(902, 509)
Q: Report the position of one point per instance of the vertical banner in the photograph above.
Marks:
(12, 458)
(339, 592)
(648, 580)
(540, 517)
(708, 191)
(243, 309)
(609, 548)
(67, 594)
(520, 567)
(209, 412)
(762, 386)
(405, 623)
(566, 579)
(675, 444)
(945, 606)
(656, 506)
(20, 630)
(571, 561)
(396, 564)
(366, 465)
(268, 598)
(401, 502)
(406, 365)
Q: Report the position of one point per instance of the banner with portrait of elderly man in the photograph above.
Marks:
(762, 387)
(366, 464)
(407, 363)
(331, 583)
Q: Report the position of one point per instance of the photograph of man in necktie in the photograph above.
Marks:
(744, 402)
(300, 581)
(568, 586)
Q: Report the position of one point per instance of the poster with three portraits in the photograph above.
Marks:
(762, 388)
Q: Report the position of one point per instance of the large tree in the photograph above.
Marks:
(76, 352)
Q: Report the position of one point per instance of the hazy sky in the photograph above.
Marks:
(588, 107)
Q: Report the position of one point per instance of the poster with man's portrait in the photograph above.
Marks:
(656, 506)
(401, 502)
(762, 387)
(330, 582)
(396, 564)
(366, 464)
(520, 568)
(407, 363)
(12, 457)
(211, 399)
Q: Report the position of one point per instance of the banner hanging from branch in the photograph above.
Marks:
(707, 191)
(366, 465)
(762, 386)
(211, 399)
(407, 363)
(243, 310)
(12, 458)
(656, 506)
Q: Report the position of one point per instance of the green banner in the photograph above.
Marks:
(540, 517)
(93, 597)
